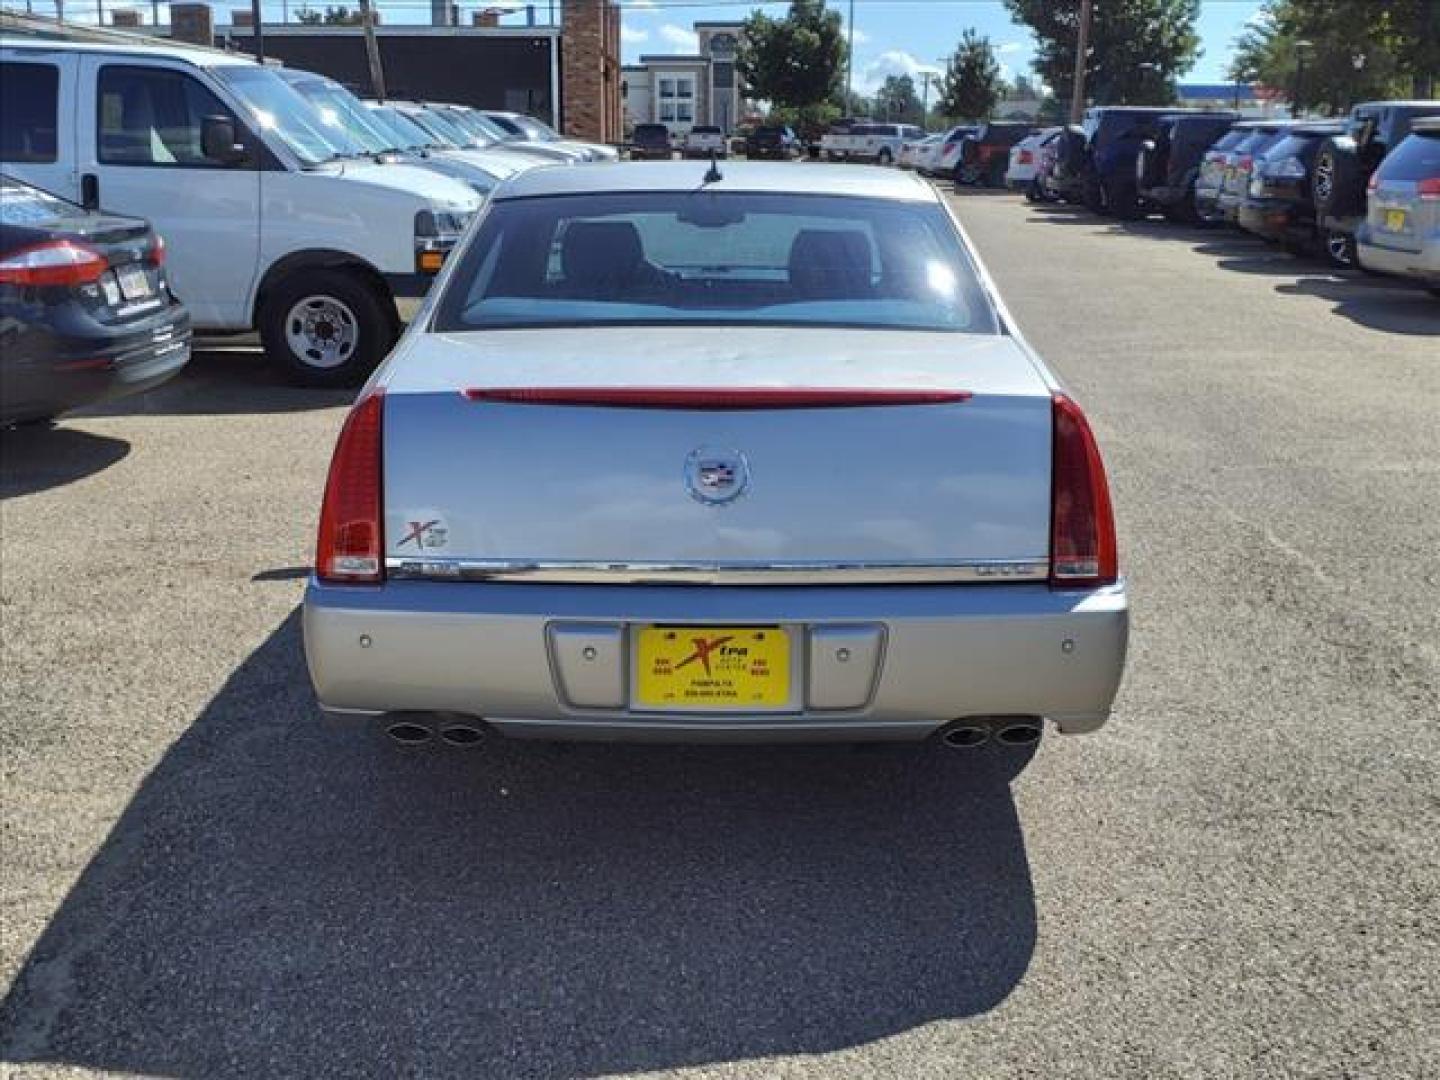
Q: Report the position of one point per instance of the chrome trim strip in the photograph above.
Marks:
(579, 572)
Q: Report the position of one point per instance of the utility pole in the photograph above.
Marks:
(259, 33)
(925, 100)
(154, 12)
(1082, 47)
(372, 50)
(849, 56)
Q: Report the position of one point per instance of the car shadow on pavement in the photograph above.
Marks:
(40, 457)
(224, 380)
(285, 898)
(1376, 303)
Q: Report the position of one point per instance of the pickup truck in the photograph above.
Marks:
(702, 140)
(856, 141)
(985, 155)
(1169, 163)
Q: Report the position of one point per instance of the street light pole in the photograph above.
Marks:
(1082, 43)
(259, 34)
(372, 50)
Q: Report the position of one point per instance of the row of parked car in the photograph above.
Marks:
(1364, 190)
(286, 205)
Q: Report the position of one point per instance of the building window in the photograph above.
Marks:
(685, 112)
(667, 111)
(667, 88)
(684, 88)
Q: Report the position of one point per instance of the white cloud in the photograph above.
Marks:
(862, 38)
(891, 62)
(631, 36)
(684, 40)
(1009, 47)
(648, 4)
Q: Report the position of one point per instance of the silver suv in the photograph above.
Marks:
(1401, 231)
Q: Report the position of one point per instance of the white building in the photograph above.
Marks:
(681, 91)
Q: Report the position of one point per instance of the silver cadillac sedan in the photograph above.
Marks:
(732, 452)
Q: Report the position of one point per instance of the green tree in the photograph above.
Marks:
(972, 83)
(796, 63)
(1327, 56)
(1137, 48)
(897, 101)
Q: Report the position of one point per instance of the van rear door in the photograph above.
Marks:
(37, 120)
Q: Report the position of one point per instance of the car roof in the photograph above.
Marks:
(1426, 125)
(197, 55)
(781, 178)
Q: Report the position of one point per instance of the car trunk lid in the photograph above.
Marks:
(862, 455)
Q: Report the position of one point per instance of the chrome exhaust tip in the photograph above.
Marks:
(1019, 733)
(965, 736)
(409, 733)
(462, 736)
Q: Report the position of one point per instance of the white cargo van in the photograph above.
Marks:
(269, 223)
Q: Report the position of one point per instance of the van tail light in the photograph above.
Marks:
(55, 262)
(1025, 157)
(1082, 523)
(156, 254)
(351, 543)
(1243, 162)
(1428, 188)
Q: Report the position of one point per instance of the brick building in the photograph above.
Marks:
(590, 76)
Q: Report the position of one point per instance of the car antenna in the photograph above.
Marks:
(713, 174)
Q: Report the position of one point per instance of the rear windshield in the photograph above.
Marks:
(1416, 158)
(1231, 139)
(770, 134)
(1258, 141)
(652, 131)
(1297, 144)
(726, 258)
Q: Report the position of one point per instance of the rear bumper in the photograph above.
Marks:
(1273, 219)
(487, 650)
(1422, 265)
(45, 372)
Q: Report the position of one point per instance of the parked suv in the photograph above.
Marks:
(650, 142)
(1023, 171)
(1211, 177)
(1240, 165)
(985, 155)
(1113, 138)
(1278, 204)
(1346, 162)
(1062, 165)
(772, 142)
(1401, 231)
(199, 141)
(1169, 164)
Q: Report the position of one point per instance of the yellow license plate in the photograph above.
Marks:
(712, 667)
(1394, 220)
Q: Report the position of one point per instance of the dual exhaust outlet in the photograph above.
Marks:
(970, 734)
(412, 731)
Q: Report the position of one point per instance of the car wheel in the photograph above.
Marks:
(327, 327)
(1336, 181)
(883, 158)
(1339, 248)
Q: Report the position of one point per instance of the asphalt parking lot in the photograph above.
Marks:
(1237, 878)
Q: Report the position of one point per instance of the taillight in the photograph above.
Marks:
(1026, 157)
(1429, 188)
(1082, 524)
(56, 262)
(351, 543)
(156, 254)
(1243, 162)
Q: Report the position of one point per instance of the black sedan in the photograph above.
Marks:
(85, 311)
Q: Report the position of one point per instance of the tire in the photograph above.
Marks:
(327, 327)
(883, 158)
(1033, 192)
(1093, 194)
(995, 175)
(1338, 248)
(1337, 179)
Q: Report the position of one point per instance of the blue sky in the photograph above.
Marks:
(909, 36)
